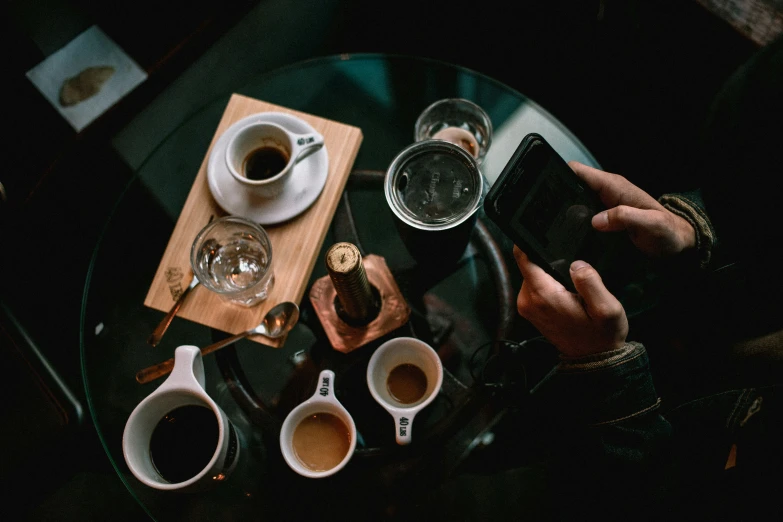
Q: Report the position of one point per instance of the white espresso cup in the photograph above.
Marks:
(262, 156)
(401, 390)
(178, 438)
(318, 437)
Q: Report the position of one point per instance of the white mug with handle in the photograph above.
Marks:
(178, 438)
(390, 356)
(263, 155)
(318, 437)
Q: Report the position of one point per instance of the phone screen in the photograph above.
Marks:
(547, 211)
(550, 211)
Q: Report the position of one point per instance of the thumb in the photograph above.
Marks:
(598, 301)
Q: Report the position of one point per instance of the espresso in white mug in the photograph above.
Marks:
(263, 155)
(178, 438)
(404, 375)
(321, 441)
(406, 383)
(318, 437)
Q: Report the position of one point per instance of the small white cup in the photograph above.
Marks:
(184, 387)
(322, 401)
(280, 144)
(392, 353)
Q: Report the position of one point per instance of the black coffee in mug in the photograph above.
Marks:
(264, 163)
(183, 442)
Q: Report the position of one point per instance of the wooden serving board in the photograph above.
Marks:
(295, 243)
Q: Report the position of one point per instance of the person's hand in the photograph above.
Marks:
(589, 322)
(652, 228)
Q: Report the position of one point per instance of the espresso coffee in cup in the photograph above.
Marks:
(406, 383)
(178, 438)
(318, 437)
(183, 442)
(262, 155)
(321, 441)
(265, 162)
(404, 375)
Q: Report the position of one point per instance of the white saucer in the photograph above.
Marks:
(301, 190)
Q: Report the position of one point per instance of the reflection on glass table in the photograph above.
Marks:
(461, 309)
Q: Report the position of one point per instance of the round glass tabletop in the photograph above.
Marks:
(459, 311)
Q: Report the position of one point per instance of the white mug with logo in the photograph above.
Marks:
(263, 155)
(404, 375)
(178, 438)
(318, 437)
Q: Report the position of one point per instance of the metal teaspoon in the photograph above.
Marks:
(157, 333)
(277, 322)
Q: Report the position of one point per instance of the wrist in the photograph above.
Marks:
(686, 234)
(606, 388)
(587, 350)
(688, 207)
(597, 359)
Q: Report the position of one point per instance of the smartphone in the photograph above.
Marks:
(546, 210)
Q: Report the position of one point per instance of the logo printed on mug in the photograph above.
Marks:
(403, 426)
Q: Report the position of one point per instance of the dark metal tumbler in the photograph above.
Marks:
(434, 189)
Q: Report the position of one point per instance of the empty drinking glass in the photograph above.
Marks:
(458, 121)
(233, 257)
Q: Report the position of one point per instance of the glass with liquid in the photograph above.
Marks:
(233, 257)
(457, 121)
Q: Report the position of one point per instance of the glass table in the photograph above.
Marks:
(464, 311)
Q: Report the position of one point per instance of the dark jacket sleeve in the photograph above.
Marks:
(611, 453)
(690, 206)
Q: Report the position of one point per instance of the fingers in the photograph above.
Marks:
(534, 276)
(594, 178)
(540, 293)
(613, 189)
(605, 184)
(628, 218)
(598, 302)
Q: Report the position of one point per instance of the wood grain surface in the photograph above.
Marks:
(295, 243)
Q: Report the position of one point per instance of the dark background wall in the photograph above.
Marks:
(632, 79)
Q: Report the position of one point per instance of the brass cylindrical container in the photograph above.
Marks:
(346, 334)
(355, 294)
